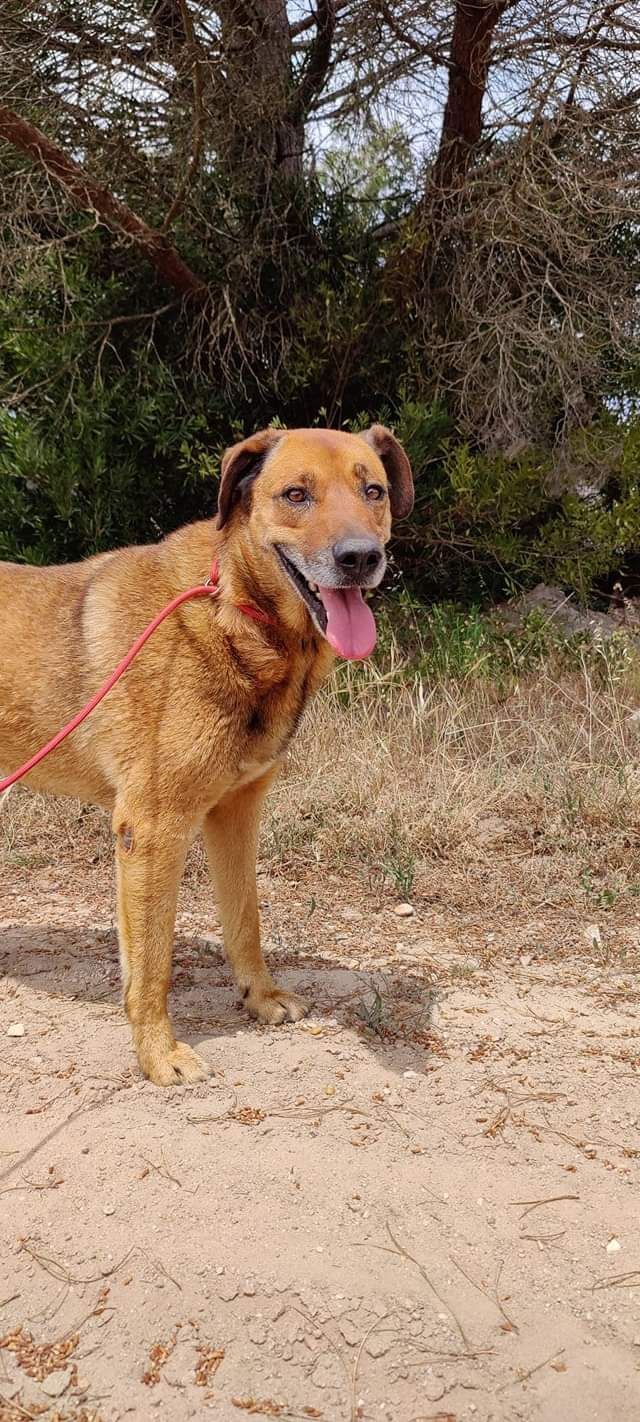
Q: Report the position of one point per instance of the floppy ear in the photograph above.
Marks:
(396, 467)
(240, 465)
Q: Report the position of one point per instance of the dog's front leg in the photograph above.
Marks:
(149, 861)
(231, 835)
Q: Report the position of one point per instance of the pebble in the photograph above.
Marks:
(613, 1246)
(410, 1075)
(378, 1346)
(108, 1209)
(16, 1029)
(57, 1383)
(404, 910)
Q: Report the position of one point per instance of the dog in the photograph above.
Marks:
(190, 740)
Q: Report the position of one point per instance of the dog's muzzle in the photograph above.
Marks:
(331, 586)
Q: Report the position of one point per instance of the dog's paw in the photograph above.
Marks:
(180, 1066)
(274, 1005)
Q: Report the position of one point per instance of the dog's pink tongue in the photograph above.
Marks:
(351, 630)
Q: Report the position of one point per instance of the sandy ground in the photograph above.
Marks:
(420, 1203)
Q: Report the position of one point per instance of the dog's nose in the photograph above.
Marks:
(359, 557)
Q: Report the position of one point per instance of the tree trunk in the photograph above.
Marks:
(473, 29)
(264, 108)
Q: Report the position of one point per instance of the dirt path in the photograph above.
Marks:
(432, 1216)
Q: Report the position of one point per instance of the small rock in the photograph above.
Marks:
(613, 1246)
(57, 1383)
(378, 1346)
(16, 1029)
(108, 1209)
(404, 910)
(410, 1075)
(249, 1288)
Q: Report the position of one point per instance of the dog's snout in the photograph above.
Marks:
(358, 557)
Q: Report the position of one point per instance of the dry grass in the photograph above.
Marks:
(429, 767)
(533, 794)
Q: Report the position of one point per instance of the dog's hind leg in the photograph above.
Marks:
(149, 862)
(231, 834)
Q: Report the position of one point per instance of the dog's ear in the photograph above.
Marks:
(396, 467)
(240, 465)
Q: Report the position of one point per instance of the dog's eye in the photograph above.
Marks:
(297, 495)
(374, 491)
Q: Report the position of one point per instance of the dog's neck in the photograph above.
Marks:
(246, 576)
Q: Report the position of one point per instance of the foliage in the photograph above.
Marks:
(415, 214)
(114, 438)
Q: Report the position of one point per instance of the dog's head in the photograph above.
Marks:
(321, 502)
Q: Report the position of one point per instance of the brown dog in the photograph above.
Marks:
(192, 737)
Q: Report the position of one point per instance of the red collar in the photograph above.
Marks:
(213, 583)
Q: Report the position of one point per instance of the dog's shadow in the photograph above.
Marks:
(392, 1013)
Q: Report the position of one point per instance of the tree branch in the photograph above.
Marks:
(167, 18)
(299, 27)
(92, 196)
(418, 47)
(317, 63)
(198, 120)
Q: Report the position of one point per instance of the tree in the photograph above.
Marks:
(196, 132)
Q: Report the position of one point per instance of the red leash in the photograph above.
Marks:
(209, 589)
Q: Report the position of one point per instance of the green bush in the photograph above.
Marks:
(485, 526)
(111, 435)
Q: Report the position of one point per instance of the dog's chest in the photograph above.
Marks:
(272, 720)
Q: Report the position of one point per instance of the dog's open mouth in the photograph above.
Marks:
(340, 614)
